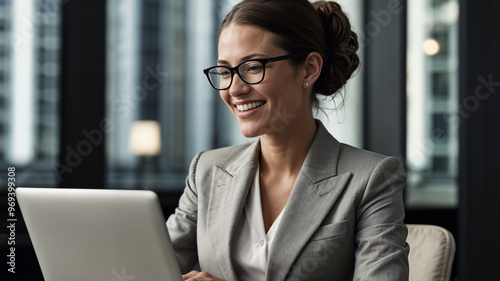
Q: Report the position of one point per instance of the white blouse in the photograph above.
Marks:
(252, 243)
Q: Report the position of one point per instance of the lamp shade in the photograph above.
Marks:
(145, 139)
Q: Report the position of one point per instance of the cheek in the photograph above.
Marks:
(286, 84)
(226, 98)
(287, 92)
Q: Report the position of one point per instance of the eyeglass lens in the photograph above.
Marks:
(250, 71)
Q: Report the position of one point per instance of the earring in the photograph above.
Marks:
(307, 85)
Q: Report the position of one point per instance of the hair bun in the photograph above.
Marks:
(341, 47)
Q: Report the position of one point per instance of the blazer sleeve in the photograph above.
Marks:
(382, 251)
(182, 225)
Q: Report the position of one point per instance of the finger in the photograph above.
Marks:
(190, 274)
(201, 276)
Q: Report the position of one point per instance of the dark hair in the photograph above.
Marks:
(303, 27)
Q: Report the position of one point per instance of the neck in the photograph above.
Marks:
(284, 153)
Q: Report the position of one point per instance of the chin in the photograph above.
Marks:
(249, 133)
(250, 130)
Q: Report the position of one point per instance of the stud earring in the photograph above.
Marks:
(307, 85)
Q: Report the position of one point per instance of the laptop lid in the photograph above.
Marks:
(89, 234)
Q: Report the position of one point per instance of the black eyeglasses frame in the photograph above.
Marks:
(233, 70)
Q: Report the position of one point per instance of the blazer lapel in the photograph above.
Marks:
(316, 190)
(230, 186)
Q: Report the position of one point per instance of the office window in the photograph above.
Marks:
(156, 54)
(440, 128)
(29, 94)
(439, 164)
(432, 94)
(441, 85)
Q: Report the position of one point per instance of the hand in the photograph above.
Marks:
(200, 276)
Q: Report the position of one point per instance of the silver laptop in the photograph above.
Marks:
(88, 234)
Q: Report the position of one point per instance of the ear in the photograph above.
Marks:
(312, 65)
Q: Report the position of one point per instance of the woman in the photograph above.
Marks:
(296, 204)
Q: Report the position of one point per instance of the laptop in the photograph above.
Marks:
(89, 234)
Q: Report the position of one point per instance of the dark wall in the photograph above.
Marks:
(479, 191)
(81, 161)
(385, 77)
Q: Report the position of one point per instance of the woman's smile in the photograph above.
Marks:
(248, 106)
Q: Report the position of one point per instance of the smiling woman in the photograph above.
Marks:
(295, 204)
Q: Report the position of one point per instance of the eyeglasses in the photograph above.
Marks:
(250, 71)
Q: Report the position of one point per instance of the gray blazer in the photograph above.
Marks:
(343, 221)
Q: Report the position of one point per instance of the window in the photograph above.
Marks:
(156, 54)
(29, 94)
(432, 94)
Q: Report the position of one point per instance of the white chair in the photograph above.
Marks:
(432, 250)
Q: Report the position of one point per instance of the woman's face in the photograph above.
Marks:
(280, 101)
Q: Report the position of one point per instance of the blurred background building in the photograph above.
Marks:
(5, 22)
(29, 67)
(432, 98)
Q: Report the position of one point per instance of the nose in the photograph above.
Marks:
(238, 87)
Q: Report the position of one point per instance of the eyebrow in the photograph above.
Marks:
(248, 57)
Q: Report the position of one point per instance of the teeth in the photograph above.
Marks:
(248, 106)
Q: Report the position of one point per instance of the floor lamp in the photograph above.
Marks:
(145, 142)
